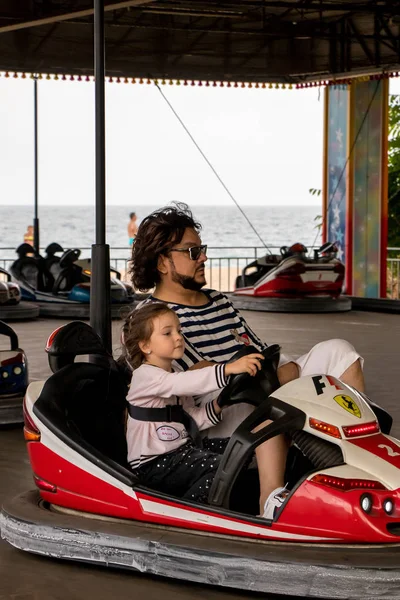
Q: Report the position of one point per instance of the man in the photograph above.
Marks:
(168, 255)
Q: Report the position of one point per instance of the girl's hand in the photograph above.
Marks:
(247, 364)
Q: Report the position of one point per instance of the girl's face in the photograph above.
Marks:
(166, 342)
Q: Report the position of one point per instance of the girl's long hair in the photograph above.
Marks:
(138, 327)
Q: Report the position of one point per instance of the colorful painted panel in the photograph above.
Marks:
(337, 132)
(367, 98)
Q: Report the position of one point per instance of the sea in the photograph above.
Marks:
(226, 230)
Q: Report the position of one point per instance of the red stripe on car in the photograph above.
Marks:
(381, 446)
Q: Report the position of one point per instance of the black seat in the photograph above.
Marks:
(84, 404)
(69, 274)
(254, 271)
(52, 261)
(26, 267)
(30, 267)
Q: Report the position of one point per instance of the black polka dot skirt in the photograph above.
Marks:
(187, 472)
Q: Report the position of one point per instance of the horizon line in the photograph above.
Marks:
(156, 205)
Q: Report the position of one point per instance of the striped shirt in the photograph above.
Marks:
(214, 331)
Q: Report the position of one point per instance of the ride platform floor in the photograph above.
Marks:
(28, 577)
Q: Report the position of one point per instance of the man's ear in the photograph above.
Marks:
(162, 264)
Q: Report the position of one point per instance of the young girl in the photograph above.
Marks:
(163, 452)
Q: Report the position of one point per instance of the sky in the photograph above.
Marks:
(265, 144)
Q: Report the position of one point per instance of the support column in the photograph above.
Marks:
(355, 182)
(369, 133)
(335, 192)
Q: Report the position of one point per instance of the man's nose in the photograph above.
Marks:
(203, 257)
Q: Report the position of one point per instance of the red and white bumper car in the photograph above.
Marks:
(337, 535)
(293, 274)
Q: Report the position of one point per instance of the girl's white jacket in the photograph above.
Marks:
(153, 387)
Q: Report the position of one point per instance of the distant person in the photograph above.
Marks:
(132, 228)
(29, 235)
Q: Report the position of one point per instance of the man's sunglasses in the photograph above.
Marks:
(194, 252)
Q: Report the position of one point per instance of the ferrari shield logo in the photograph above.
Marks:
(348, 404)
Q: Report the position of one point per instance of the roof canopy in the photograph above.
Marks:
(238, 40)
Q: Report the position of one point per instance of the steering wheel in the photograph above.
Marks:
(285, 252)
(275, 417)
(326, 252)
(69, 257)
(252, 390)
(327, 247)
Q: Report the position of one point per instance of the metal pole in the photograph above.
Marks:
(36, 243)
(99, 70)
(100, 315)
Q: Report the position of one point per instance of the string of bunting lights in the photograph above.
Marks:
(193, 82)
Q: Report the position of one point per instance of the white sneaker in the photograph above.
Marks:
(274, 502)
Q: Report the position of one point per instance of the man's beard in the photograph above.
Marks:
(188, 283)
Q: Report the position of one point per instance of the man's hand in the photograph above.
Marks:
(288, 372)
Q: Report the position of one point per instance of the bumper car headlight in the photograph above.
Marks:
(366, 503)
(388, 506)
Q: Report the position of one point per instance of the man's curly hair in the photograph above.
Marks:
(157, 234)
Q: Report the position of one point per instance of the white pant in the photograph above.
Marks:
(332, 357)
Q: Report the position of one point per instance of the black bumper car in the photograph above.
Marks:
(13, 378)
(60, 286)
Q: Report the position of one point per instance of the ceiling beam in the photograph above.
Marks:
(114, 46)
(72, 15)
(395, 41)
(361, 40)
(188, 49)
(287, 31)
(377, 43)
(320, 5)
(44, 39)
(306, 5)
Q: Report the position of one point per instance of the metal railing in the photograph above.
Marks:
(224, 264)
(393, 273)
